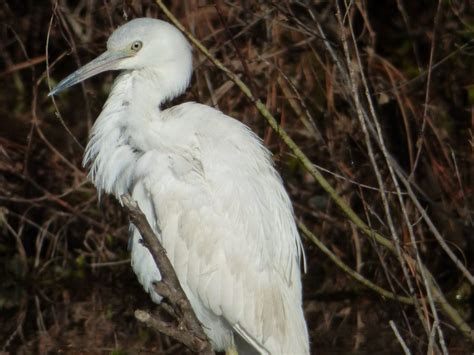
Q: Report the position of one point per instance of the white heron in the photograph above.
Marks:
(207, 186)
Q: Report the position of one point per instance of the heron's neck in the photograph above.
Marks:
(148, 88)
(119, 136)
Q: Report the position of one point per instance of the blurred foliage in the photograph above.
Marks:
(65, 280)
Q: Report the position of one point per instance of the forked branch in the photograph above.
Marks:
(186, 329)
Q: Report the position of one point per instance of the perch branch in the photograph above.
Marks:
(188, 329)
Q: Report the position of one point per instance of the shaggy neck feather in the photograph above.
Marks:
(116, 141)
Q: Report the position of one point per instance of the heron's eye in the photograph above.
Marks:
(136, 46)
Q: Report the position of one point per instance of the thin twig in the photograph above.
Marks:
(344, 267)
(404, 346)
(370, 150)
(421, 136)
(58, 114)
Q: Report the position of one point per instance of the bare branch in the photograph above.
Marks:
(187, 330)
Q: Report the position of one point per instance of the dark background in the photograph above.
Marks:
(65, 280)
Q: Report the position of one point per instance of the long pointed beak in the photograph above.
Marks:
(108, 60)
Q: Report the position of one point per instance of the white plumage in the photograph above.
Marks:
(208, 188)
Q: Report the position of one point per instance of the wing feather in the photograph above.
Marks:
(227, 224)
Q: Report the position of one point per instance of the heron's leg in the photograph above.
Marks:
(231, 350)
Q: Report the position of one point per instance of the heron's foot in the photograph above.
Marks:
(231, 350)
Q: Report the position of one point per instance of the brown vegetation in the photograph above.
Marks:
(378, 98)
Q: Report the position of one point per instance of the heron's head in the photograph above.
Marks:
(143, 43)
